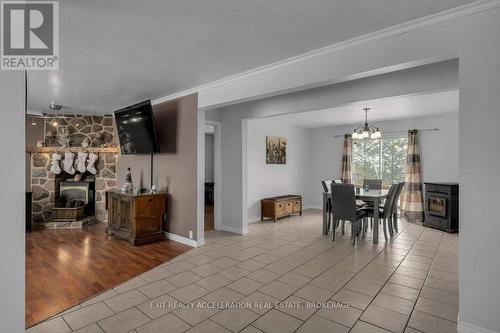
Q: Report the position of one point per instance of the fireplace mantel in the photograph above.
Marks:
(113, 150)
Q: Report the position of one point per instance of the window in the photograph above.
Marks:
(381, 158)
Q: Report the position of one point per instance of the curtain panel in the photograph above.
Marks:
(346, 167)
(412, 200)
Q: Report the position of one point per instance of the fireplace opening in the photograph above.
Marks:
(73, 194)
(436, 206)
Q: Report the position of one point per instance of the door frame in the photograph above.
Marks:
(217, 173)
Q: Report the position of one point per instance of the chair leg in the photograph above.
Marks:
(364, 226)
(333, 232)
(353, 231)
(389, 223)
(343, 227)
(384, 226)
(329, 221)
(395, 222)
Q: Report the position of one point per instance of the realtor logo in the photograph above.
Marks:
(30, 35)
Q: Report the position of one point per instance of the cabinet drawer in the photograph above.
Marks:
(279, 209)
(289, 207)
(296, 206)
(150, 207)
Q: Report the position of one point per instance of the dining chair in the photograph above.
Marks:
(385, 212)
(373, 184)
(344, 209)
(326, 185)
(326, 188)
(395, 205)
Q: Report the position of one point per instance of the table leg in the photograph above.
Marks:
(325, 213)
(376, 203)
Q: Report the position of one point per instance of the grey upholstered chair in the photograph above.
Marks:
(373, 184)
(385, 212)
(395, 203)
(344, 209)
(326, 185)
(326, 188)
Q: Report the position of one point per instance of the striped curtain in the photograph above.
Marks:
(412, 201)
(346, 168)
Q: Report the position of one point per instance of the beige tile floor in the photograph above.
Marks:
(285, 277)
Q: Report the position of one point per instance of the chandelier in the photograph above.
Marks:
(366, 131)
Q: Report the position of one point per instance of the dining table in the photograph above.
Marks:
(372, 196)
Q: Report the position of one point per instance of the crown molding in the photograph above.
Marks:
(34, 113)
(419, 23)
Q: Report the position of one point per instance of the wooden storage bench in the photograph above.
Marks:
(280, 206)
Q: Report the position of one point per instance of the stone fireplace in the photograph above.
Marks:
(51, 190)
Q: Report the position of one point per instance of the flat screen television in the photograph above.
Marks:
(136, 129)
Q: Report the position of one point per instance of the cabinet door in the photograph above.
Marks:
(114, 209)
(149, 214)
(126, 214)
(153, 206)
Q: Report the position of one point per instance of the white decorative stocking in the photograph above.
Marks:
(68, 162)
(90, 166)
(55, 168)
(82, 157)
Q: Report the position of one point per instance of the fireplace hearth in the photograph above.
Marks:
(441, 206)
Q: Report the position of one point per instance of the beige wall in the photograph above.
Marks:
(175, 171)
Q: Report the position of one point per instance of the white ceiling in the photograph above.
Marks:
(118, 52)
(400, 107)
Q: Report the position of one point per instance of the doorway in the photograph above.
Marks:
(212, 176)
(209, 177)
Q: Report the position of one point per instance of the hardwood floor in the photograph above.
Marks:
(209, 217)
(65, 267)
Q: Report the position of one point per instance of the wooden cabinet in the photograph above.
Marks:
(136, 218)
(280, 206)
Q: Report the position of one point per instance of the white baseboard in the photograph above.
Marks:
(463, 327)
(254, 219)
(234, 230)
(184, 240)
